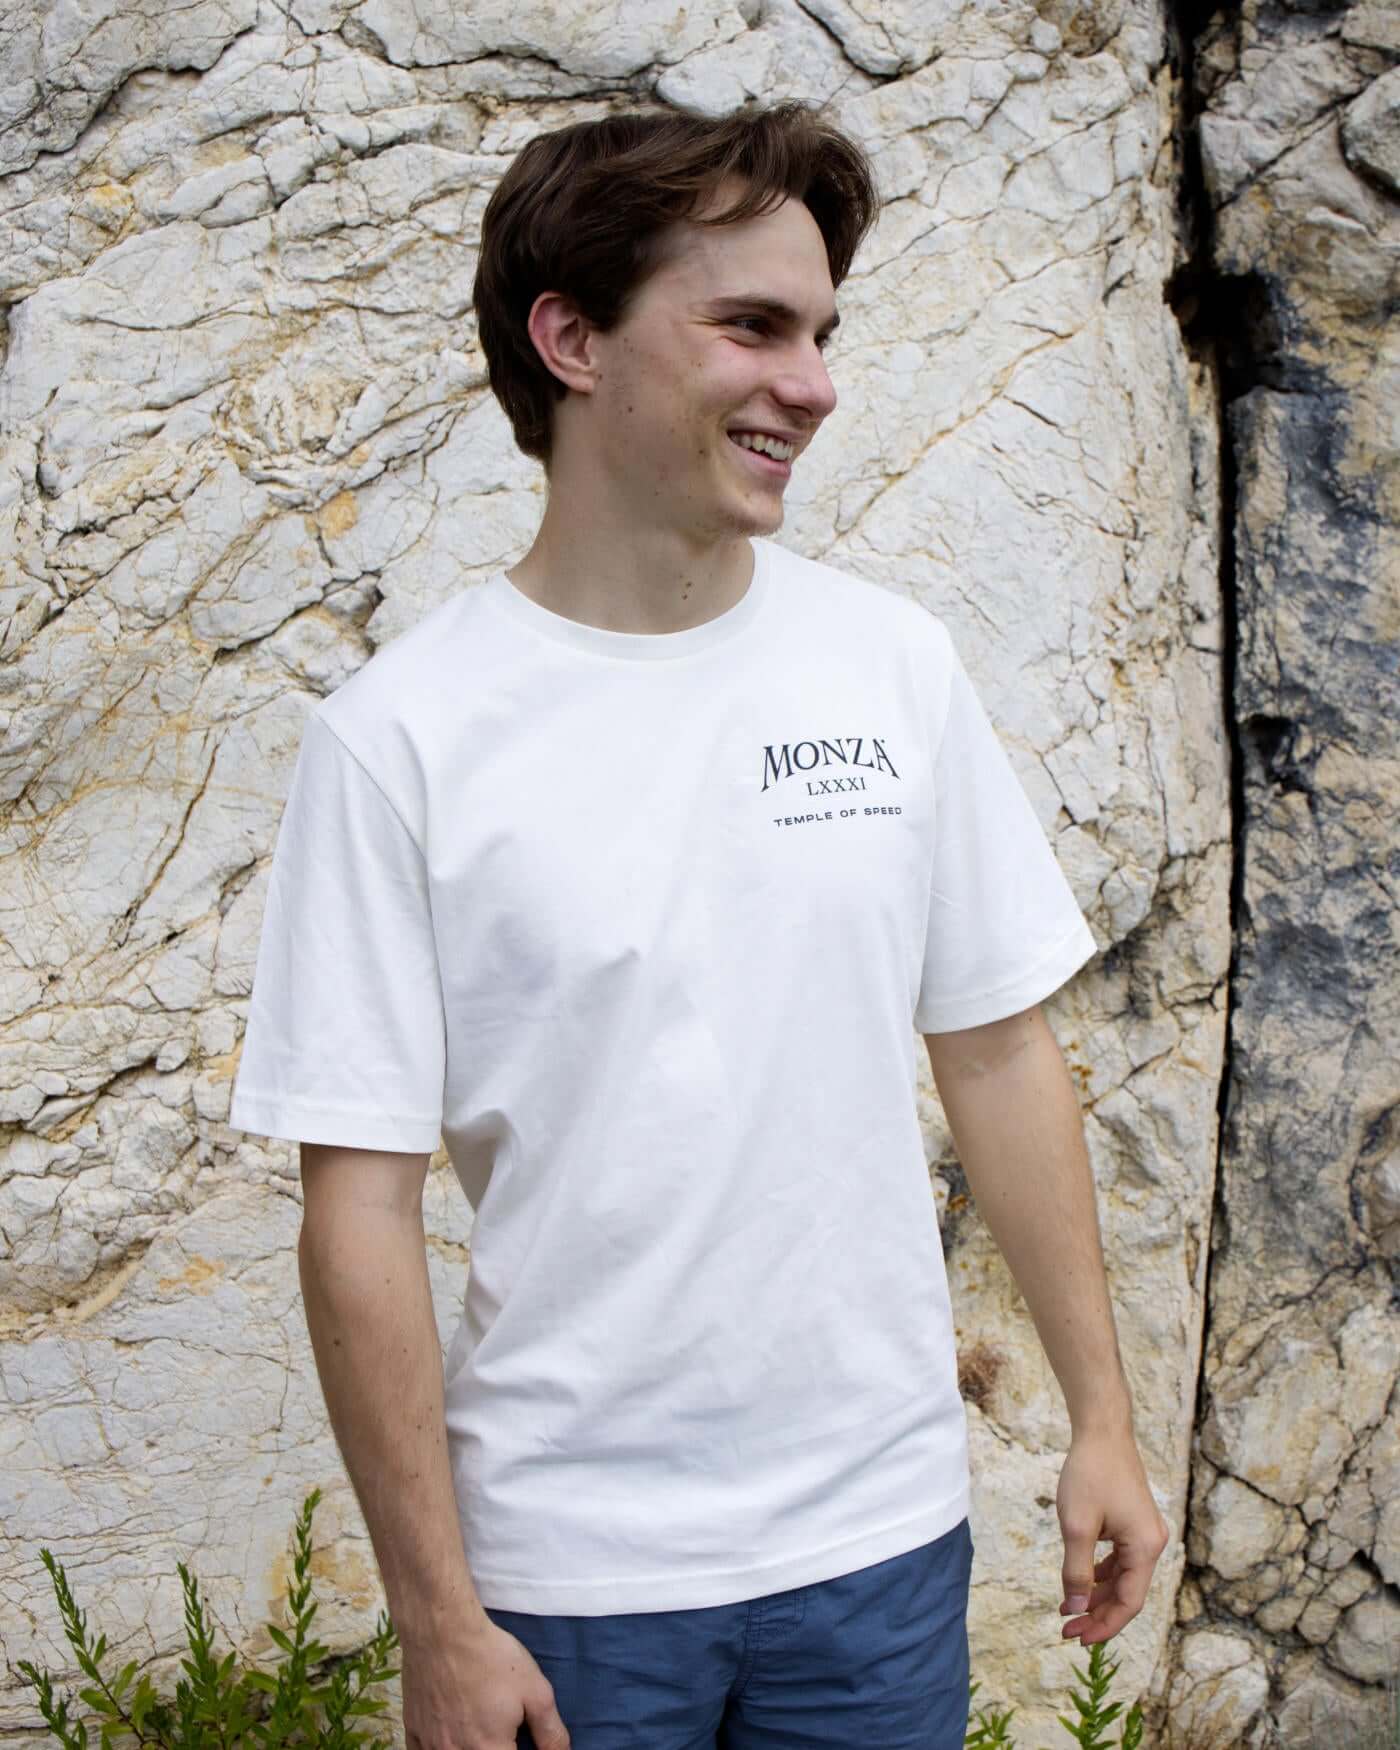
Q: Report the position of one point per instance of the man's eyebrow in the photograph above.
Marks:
(774, 307)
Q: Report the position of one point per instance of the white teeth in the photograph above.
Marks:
(769, 446)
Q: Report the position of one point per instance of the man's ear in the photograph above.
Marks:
(564, 339)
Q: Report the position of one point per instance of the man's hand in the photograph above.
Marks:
(1104, 1497)
(474, 1692)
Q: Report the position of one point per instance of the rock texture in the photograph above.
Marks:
(1294, 1546)
(247, 439)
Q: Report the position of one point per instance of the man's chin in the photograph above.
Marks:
(733, 515)
(761, 516)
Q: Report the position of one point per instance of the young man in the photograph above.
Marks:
(633, 872)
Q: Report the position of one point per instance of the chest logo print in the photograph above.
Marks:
(794, 758)
(814, 761)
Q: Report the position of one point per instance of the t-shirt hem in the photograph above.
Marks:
(1044, 978)
(723, 1585)
(298, 1121)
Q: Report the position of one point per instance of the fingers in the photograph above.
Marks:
(1115, 1601)
(1098, 1596)
(547, 1727)
(1078, 1571)
(1105, 1572)
(1100, 1624)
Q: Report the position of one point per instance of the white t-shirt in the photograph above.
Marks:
(645, 926)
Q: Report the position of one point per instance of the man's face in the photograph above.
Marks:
(699, 359)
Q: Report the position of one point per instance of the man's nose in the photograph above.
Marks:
(808, 385)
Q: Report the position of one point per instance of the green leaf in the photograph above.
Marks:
(123, 1679)
(98, 1702)
(261, 1681)
(281, 1639)
(142, 1701)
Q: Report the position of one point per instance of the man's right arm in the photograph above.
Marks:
(362, 1257)
(467, 1683)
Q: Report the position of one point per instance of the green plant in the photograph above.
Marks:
(1096, 1715)
(991, 1732)
(213, 1709)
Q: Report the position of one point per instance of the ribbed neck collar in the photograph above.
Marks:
(635, 646)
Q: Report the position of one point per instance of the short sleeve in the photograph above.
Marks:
(345, 1041)
(1004, 927)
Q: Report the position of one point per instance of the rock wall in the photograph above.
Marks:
(247, 439)
(1291, 1608)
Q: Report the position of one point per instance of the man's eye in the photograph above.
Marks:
(823, 340)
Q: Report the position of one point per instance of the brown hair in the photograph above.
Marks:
(584, 210)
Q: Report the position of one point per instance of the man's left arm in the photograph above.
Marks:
(1017, 1128)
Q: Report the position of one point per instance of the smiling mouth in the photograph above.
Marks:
(769, 464)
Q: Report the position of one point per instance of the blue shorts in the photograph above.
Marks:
(876, 1657)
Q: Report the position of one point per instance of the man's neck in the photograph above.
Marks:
(649, 580)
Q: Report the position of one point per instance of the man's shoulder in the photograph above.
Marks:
(821, 586)
(388, 714)
(409, 670)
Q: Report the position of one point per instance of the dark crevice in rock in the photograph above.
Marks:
(1364, 1560)
(1274, 740)
(1225, 329)
(1252, 349)
(960, 1214)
